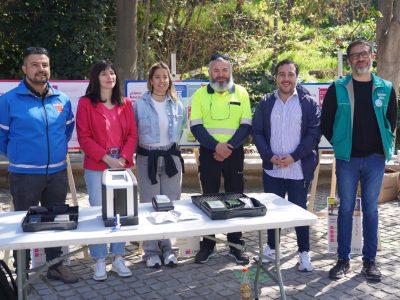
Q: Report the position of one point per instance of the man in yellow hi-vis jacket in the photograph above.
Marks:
(221, 121)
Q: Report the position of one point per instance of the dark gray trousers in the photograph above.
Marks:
(29, 189)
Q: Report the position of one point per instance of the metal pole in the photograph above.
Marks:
(21, 274)
(340, 64)
(173, 65)
(259, 263)
(278, 263)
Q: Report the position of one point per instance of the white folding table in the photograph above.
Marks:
(91, 230)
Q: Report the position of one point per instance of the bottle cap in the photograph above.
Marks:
(244, 270)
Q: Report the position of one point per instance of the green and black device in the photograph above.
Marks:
(222, 206)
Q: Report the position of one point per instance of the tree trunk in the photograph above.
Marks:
(239, 6)
(126, 59)
(145, 46)
(275, 33)
(388, 40)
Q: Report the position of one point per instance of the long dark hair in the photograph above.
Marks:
(93, 89)
(153, 69)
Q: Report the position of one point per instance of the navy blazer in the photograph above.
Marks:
(307, 150)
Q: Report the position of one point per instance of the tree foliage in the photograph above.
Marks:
(76, 33)
(256, 33)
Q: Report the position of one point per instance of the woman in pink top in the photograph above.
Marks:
(107, 135)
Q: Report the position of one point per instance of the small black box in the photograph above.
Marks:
(162, 203)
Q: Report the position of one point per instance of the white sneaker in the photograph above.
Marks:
(305, 262)
(153, 261)
(171, 260)
(269, 255)
(100, 270)
(118, 266)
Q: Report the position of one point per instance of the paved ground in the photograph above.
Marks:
(220, 277)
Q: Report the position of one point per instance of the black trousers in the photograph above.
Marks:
(210, 177)
(29, 189)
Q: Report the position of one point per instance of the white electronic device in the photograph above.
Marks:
(119, 196)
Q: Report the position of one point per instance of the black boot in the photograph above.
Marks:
(239, 255)
(371, 271)
(341, 268)
(204, 254)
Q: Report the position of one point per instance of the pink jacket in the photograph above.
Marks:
(92, 135)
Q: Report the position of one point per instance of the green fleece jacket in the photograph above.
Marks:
(343, 124)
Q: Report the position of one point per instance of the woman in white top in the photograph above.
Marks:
(159, 116)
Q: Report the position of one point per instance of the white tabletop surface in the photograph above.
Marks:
(91, 230)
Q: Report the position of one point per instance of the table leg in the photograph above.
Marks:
(21, 274)
(259, 263)
(278, 264)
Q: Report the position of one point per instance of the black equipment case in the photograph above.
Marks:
(222, 206)
(59, 217)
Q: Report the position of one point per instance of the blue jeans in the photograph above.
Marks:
(297, 194)
(93, 186)
(369, 171)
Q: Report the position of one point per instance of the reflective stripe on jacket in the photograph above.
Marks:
(221, 113)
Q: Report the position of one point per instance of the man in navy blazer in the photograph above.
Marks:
(286, 132)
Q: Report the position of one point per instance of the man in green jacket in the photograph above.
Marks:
(359, 117)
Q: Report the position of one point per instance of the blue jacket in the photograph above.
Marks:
(147, 120)
(307, 150)
(34, 134)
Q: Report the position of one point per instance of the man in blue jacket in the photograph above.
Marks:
(36, 123)
(359, 116)
(286, 132)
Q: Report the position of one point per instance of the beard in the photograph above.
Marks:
(361, 70)
(39, 78)
(287, 90)
(222, 86)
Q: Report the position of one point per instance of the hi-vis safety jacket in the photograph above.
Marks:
(220, 114)
(34, 133)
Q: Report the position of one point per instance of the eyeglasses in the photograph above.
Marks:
(218, 55)
(357, 55)
(35, 50)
